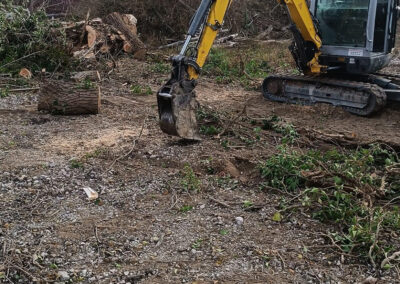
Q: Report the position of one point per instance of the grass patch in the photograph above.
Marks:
(351, 190)
(247, 204)
(161, 67)
(209, 121)
(197, 244)
(248, 64)
(76, 164)
(190, 181)
(185, 208)
(87, 84)
(141, 90)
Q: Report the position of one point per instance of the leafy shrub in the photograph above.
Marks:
(350, 189)
(29, 40)
(190, 181)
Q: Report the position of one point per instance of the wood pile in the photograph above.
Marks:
(115, 34)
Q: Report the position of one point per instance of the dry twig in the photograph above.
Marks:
(133, 146)
(220, 202)
(393, 257)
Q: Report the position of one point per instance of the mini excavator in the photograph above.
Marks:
(338, 45)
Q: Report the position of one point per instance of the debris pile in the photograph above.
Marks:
(115, 34)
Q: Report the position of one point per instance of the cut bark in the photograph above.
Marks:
(91, 75)
(91, 36)
(120, 24)
(66, 98)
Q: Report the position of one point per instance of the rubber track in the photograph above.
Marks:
(388, 76)
(376, 95)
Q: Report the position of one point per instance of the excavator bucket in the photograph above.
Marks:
(177, 110)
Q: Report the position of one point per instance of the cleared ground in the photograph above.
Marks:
(145, 227)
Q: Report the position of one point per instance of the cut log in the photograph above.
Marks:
(131, 21)
(91, 36)
(117, 21)
(66, 98)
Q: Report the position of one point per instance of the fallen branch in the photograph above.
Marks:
(220, 202)
(23, 90)
(387, 260)
(226, 38)
(21, 58)
(231, 122)
(177, 43)
(376, 236)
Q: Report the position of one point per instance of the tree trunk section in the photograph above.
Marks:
(65, 98)
(137, 46)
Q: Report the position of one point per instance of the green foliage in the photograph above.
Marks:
(53, 266)
(197, 244)
(209, 166)
(30, 40)
(94, 154)
(227, 67)
(209, 130)
(276, 124)
(87, 84)
(283, 170)
(186, 208)
(161, 67)
(141, 90)
(4, 92)
(210, 123)
(247, 204)
(190, 181)
(344, 187)
(76, 164)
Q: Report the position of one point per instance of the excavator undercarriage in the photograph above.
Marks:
(360, 97)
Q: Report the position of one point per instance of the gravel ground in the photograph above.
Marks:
(144, 227)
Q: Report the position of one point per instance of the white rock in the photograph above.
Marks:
(91, 194)
(370, 280)
(239, 221)
(63, 275)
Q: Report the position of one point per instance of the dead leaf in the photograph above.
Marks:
(25, 73)
(277, 217)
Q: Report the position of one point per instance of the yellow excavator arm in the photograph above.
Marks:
(299, 15)
(175, 98)
(301, 18)
(210, 31)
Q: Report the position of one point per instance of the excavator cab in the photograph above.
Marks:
(357, 35)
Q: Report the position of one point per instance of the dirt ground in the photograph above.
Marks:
(145, 228)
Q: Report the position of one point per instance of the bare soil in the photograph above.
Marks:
(137, 231)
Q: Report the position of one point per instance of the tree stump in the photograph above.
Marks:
(67, 98)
